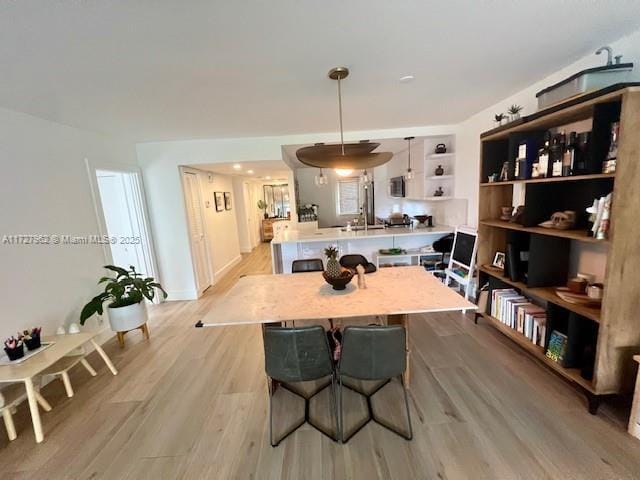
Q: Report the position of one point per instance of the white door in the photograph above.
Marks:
(195, 217)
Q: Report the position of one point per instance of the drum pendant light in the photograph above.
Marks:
(345, 157)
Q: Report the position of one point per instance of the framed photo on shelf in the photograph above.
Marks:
(227, 200)
(219, 198)
(498, 260)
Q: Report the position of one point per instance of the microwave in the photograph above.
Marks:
(396, 187)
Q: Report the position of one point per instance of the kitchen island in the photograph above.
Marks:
(289, 245)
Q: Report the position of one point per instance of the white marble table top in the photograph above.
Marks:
(306, 296)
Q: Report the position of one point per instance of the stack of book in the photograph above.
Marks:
(518, 312)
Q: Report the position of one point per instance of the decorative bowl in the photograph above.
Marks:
(341, 282)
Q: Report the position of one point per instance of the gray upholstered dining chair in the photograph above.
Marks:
(373, 353)
(298, 355)
(307, 265)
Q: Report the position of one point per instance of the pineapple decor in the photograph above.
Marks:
(334, 270)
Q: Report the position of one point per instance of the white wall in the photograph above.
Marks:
(44, 189)
(468, 132)
(221, 227)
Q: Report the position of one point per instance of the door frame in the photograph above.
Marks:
(141, 214)
(207, 242)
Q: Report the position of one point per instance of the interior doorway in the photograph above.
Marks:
(197, 236)
(123, 219)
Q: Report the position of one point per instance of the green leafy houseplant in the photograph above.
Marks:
(514, 109)
(262, 205)
(127, 288)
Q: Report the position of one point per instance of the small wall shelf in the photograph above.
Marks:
(435, 156)
(438, 199)
(440, 177)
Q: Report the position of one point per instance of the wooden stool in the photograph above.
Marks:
(61, 368)
(143, 327)
(10, 397)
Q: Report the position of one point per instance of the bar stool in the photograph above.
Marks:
(307, 265)
(373, 353)
(298, 355)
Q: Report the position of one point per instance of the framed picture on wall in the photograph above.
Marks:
(227, 200)
(219, 198)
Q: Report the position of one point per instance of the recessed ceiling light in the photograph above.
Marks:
(267, 177)
(407, 78)
(250, 172)
(237, 166)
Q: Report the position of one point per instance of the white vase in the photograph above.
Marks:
(123, 319)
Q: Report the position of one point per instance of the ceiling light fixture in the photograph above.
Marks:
(409, 174)
(350, 156)
(237, 166)
(344, 172)
(267, 177)
(250, 172)
(407, 78)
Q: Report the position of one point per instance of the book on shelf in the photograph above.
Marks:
(557, 346)
(519, 313)
(539, 330)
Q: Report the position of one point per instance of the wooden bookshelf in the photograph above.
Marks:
(572, 374)
(546, 294)
(580, 235)
(616, 331)
(575, 178)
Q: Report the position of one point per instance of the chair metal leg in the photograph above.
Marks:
(406, 404)
(371, 416)
(341, 409)
(306, 418)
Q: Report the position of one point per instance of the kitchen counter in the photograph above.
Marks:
(289, 245)
(334, 234)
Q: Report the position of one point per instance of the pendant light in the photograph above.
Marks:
(321, 179)
(344, 158)
(364, 178)
(409, 174)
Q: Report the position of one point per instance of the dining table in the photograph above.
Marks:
(394, 293)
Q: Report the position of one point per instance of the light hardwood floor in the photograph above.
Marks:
(192, 403)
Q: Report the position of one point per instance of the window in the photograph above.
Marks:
(348, 201)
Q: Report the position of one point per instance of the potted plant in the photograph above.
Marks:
(262, 205)
(125, 294)
(514, 112)
(500, 118)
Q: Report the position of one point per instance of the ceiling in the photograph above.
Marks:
(275, 169)
(154, 70)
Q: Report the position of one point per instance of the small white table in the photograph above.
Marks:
(32, 367)
(394, 292)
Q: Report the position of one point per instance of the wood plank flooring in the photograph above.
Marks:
(192, 403)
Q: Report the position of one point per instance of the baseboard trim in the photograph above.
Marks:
(228, 267)
(177, 295)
